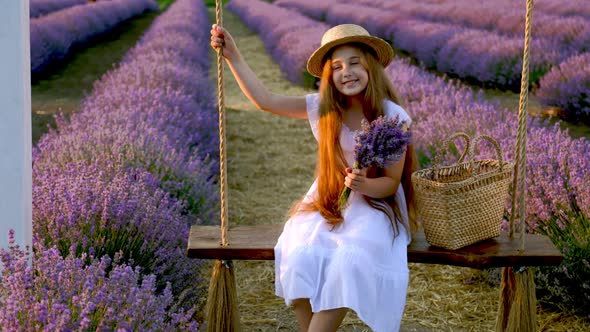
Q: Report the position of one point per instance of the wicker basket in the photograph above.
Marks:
(464, 203)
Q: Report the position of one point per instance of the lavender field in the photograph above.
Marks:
(119, 180)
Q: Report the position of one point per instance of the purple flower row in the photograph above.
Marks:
(287, 41)
(129, 173)
(564, 7)
(568, 87)
(53, 35)
(560, 8)
(81, 294)
(43, 7)
(450, 48)
(558, 165)
(503, 17)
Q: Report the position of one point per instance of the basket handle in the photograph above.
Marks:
(494, 143)
(447, 142)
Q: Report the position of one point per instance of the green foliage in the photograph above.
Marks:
(567, 286)
(424, 159)
(164, 4)
(211, 3)
(428, 158)
(128, 244)
(309, 81)
(536, 74)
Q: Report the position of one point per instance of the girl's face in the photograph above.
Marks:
(348, 73)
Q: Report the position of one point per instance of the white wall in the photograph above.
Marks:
(15, 123)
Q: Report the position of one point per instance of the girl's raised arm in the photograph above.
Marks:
(259, 95)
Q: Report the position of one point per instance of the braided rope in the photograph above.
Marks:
(519, 183)
(222, 152)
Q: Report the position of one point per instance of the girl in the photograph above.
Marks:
(328, 261)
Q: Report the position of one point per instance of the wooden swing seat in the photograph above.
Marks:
(256, 242)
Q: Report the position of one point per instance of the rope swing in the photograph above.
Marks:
(518, 302)
(222, 307)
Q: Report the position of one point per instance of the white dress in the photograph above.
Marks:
(359, 264)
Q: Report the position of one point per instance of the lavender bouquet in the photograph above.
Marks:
(379, 143)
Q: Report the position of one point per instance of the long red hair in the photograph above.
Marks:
(331, 165)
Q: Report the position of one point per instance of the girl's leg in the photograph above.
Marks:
(327, 320)
(303, 313)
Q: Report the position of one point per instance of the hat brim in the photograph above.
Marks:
(382, 49)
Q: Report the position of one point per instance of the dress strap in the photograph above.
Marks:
(313, 110)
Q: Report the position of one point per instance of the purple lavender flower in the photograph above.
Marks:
(43, 7)
(58, 293)
(380, 143)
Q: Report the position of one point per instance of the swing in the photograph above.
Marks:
(517, 311)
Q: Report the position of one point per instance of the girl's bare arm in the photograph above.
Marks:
(253, 88)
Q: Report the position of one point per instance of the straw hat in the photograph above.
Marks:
(348, 33)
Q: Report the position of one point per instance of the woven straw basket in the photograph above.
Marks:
(464, 203)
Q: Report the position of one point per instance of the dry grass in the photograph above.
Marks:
(271, 165)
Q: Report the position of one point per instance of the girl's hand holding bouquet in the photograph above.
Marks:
(379, 143)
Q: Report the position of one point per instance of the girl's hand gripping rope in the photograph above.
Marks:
(221, 38)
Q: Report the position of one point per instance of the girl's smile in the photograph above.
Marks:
(349, 84)
(348, 73)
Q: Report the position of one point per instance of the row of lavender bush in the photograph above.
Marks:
(53, 35)
(491, 57)
(570, 32)
(115, 189)
(43, 7)
(560, 7)
(568, 87)
(558, 167)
